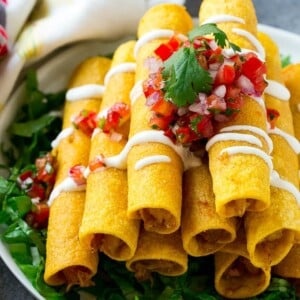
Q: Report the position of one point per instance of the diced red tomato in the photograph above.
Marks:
(205, 127)
(76, 173)
(97, 163)
(254, 69)
(116, 116)
(37, 190)
(38, 216)
(272, 116)
(121, 108)
(185, 135)
(165, 50)
(159, 122)
(163, 107)
(45, 169)
(25, 175)
(86, 121)
(225, 75)
(232, 92)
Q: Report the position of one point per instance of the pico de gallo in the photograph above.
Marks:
(195, 84)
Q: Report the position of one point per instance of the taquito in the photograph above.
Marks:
(203, 230)
(68, 261)
(161, 253)
(105, 223)
(289, 267)
(291, 77)
(235, 275)
(154, 190)
(270, 233)
(241, 180)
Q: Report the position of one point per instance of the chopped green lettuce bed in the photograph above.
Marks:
(31, 134)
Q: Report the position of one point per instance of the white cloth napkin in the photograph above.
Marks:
(56, 23)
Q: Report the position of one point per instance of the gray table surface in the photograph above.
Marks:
(278, 13)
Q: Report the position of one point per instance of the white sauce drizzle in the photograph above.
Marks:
(249, 150)
(67, 185)
(291, 140)
(151, 136)
(260, 101)
(253, 129)
(224, 18)
(63, 134)
(280, 183)
(121, 68)
(85, 91)
(153, 159)
(136, 91)
(278, 90)
(255, 42)
(153, 35)
(229, 136)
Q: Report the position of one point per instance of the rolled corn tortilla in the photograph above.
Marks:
(161, 253)
(289, 267)
(291, 77)
(235, 275)
(68, 261)
(105, 224)
(276, 226)
(241, 181)
(203, 230)
(154, 193)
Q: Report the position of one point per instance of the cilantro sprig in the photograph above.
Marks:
(183, 75)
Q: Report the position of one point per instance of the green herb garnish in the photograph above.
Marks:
(183, 75)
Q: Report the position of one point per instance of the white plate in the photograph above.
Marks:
(54, 75)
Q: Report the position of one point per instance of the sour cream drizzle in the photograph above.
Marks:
(277, 90)
(249, 150)
(150, 136)
(252, 39)
(224, 18)
(67, 185)
(136, 91)
(253, 129)
(291, 140)
(230, 136)
(154, 35)
(121, 68)
(63, 134)
(153, 159)
(260, 101)
(85, 91)
(280, 183)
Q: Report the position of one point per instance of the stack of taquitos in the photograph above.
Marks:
(105, 223)
(289, 267)
(68, 261)
(154, 193)
(275, 227)
(241, 175)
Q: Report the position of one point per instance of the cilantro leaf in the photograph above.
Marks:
(27, 129)
(184, 77)
(210, 28)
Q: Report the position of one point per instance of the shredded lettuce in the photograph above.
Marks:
(32, 133)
